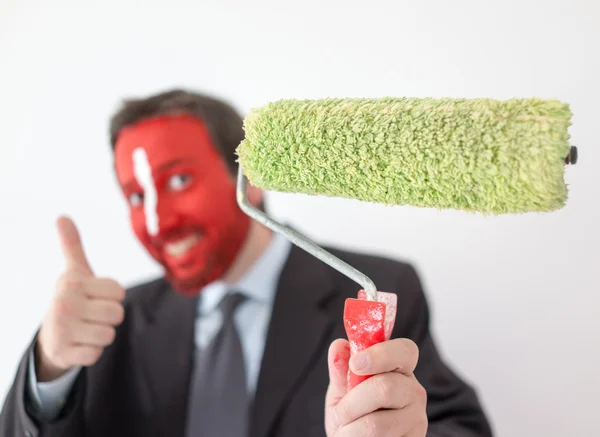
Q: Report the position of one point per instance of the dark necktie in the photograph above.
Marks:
(218, 404)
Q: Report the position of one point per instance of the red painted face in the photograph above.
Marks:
(181, 198)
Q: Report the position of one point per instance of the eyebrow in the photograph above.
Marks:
(164, 166)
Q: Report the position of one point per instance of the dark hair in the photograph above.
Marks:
(224, 123)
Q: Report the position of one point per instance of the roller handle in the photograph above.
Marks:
(367, 323)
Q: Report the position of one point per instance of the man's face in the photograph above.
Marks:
(182, 199)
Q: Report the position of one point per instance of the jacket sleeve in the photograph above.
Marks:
(20, 418)
(453, 408)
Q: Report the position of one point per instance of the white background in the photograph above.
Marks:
(514, 299)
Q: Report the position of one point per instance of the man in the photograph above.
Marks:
(243, 336)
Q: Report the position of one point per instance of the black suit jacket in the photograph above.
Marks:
(139, 387)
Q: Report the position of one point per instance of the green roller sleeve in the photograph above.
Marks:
(484, 155)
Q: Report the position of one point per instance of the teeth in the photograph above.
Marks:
(179, 248)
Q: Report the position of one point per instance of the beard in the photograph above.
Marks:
(218, 257)
(194, 284)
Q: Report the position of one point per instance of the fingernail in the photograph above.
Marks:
(359, 361)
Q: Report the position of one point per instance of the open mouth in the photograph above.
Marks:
(179, 248)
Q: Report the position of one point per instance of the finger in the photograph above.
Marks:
(91, 334)
(102, 311)
(104, 288)
(68, 307)
(386, 423)
(71, 245)
(82, 355)
(397, 355)
(384, 391)
(337, 360)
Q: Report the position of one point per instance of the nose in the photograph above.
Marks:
(166, 216)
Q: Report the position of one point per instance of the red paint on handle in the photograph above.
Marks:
(368, 323)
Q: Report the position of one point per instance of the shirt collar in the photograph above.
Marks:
(259, 283)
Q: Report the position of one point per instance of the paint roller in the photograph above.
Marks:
(476, 155)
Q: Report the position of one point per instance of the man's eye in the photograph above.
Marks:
(179, 182)
(136, 199)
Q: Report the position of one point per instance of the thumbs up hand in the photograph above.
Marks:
(83, 313)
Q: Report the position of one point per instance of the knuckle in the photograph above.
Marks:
(371, 428)
(341, 410)
(120, 293)
(421, 393)
(412, 350)
(383, 389)
(422, 424)
(119, 314)
(108, 335)
(114, 289)
(94, 354)
(390, 424)
(112, 313)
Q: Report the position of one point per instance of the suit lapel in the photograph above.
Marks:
(163, 343)
(296, 336)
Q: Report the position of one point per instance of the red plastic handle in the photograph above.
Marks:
(368, 323)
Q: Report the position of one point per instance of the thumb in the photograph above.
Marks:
(71, 245)
(337, 360)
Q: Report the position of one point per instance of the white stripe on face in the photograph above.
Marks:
(143, 175)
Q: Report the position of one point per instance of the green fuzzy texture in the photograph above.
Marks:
(477, 155)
